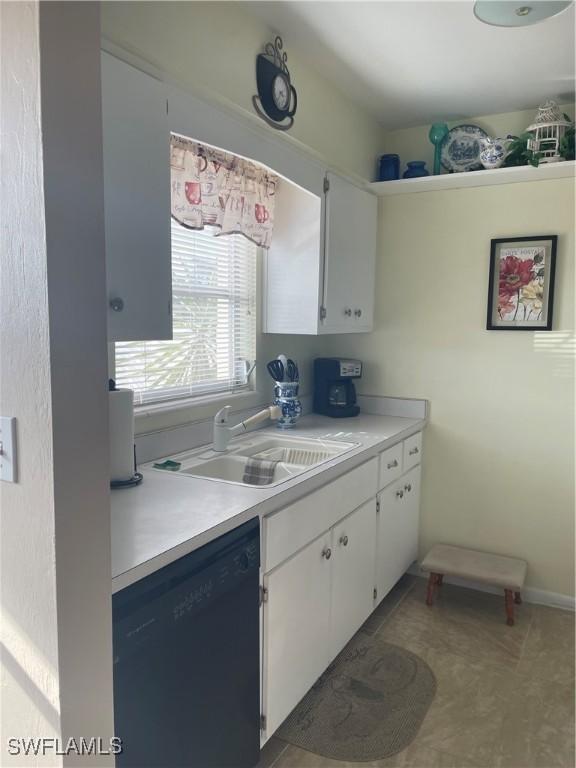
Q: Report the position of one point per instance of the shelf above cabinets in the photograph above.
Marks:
(544, 172)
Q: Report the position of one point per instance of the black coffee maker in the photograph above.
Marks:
(334, 391)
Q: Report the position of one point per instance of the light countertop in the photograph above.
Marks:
(170, 515)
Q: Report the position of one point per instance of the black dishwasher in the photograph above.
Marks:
(186, 659)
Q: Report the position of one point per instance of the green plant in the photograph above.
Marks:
(519, 154)
(568, 144)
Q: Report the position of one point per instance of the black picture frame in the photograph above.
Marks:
(521, 283)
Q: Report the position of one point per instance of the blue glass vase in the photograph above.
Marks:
(415, 169)
(389, 168)
(437, 134)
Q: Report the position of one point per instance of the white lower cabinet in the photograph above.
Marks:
(315, 602)
(354, 556)
(397, 530)
(318, 593)
(296, 629)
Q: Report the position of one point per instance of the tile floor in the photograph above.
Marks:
(505, 695)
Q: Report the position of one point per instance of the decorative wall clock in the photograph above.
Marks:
(276, 100)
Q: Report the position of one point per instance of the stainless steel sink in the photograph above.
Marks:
(293, 456)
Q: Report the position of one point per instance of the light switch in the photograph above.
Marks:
(8, 449)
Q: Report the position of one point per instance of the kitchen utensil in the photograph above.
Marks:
(292, 369)
(284, 360)
(276, 370)
(461, 148)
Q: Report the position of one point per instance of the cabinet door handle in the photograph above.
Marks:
(327, 553)
(392, 464)
(413, 452)
(399, 494)
(348, 312)
(117, 304)
(358, 312)
(408, 487)
(343, 540)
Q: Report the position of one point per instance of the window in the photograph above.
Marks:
(214, 299)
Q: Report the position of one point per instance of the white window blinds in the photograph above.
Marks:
(214, 300)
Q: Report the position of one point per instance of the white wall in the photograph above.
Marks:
(499, 449)
(30, 686)
(55, 524)
(209, 49)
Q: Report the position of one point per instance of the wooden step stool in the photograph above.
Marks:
(508, 573)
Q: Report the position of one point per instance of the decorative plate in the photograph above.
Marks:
(461, 148)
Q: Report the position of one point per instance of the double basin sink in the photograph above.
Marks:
(289, 457)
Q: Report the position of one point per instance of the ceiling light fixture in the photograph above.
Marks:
(509, 13)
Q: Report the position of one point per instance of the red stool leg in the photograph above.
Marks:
(432, 582)
(509, 607)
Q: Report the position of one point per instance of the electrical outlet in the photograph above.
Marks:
(8, 449)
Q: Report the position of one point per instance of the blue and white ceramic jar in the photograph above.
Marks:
(286, 398)
(494, 151)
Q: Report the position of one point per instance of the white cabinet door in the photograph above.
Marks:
(136, 143)
(397, 535)
(349, 257)
(412, 516)
(353, 573)
(296, 629)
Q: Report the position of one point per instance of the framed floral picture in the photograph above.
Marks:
(521, 286)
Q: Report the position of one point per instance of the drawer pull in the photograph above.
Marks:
(392, 464)
(413, 452)
(399, 494)
(408, 488)
(343, 540)
(327, 553)
(117, 304)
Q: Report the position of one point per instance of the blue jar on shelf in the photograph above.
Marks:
(415, 169)
(389, 168)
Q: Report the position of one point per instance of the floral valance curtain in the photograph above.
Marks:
(211, 187)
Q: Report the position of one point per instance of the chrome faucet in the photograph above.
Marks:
(223, 433)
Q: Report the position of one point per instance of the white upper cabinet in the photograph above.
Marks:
(319, 272)
(351, 221)
(136, 142)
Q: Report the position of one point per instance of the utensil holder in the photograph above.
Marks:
(286, 398)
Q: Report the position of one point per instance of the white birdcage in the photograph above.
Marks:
(547, 129)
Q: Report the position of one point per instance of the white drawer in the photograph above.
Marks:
(412, 451)
(291, 528)
(390, 465)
